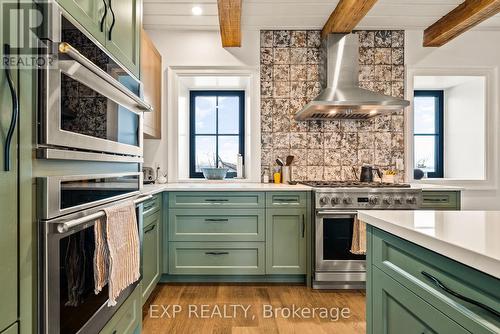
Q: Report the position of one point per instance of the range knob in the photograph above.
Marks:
(411, 200)
(398, 200)
(387, 200)
(323, 201)
(373, 200)
(347, 200)
(335, 200)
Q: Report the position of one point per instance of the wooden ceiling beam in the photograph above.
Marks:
(462, 18)
(230, 22)
(346, 16)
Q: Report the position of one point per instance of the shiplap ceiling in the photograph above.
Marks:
(300, 14)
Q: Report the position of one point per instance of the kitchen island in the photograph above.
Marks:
(433, 271)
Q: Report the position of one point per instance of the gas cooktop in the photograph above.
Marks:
(353, 184)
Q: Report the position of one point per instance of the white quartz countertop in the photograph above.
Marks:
(468, 237)
(247, 186)
(222, 186)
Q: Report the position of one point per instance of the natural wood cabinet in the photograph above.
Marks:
(151, 79)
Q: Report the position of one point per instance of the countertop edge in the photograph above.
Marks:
(469, 258)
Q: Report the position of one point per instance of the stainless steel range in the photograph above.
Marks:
(336, 205)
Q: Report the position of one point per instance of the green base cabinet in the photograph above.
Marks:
(128, 318)
(398, 310)
(402, 296)
(286, 241)
(441, 200)
(151, 253)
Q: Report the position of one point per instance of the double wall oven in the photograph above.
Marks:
(89, 118)
(89, 103)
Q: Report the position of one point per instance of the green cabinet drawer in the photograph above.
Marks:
(286, 199)
(216, 258)
(441, 200)
(216, 225)
(244, 200)
(407, 263)
(152, 205)
(286, 241)
(151, 254)
(398, 310)
(128, 317)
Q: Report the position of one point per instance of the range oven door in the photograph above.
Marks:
(89, 102)
(68, 302)
(334, 232)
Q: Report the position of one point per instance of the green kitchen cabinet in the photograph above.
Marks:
(152, 253)
(14, 329)
(286, 241)
(8, 199)
(128, 318)
(114, 23)
(89, 14)
(402, 290)
(123, 32)
(397, 310)
(441, 200)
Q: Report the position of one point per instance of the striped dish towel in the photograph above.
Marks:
(358, 245)
(119, 251)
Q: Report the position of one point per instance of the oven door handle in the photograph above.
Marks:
(66, 226)
(73, 53)
(331, 213)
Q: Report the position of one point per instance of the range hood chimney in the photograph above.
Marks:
(343, 98)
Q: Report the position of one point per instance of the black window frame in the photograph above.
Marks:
(438, 95)
(193, 94)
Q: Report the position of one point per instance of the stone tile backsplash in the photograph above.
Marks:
(327, 150)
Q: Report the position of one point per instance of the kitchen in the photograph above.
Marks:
(356, 143)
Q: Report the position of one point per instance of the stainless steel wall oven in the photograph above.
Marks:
(68, 303)
(89, 103)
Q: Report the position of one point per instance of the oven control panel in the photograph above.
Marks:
(364, 199)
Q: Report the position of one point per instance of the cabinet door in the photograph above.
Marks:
(151, 80)
(398, 310)
(151, 254)
(89, 14)
(123, 32)
(8, 205)
(286, 241)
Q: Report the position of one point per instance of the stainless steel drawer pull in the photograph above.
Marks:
(150, 229)
(459, 296)
(216, 220)
(217, 253)
(216, 200)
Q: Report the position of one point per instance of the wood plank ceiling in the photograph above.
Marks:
(301, 14)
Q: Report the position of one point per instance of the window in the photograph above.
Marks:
(428, 132)
(216, 130)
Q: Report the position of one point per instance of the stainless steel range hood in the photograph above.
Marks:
(343, 98)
